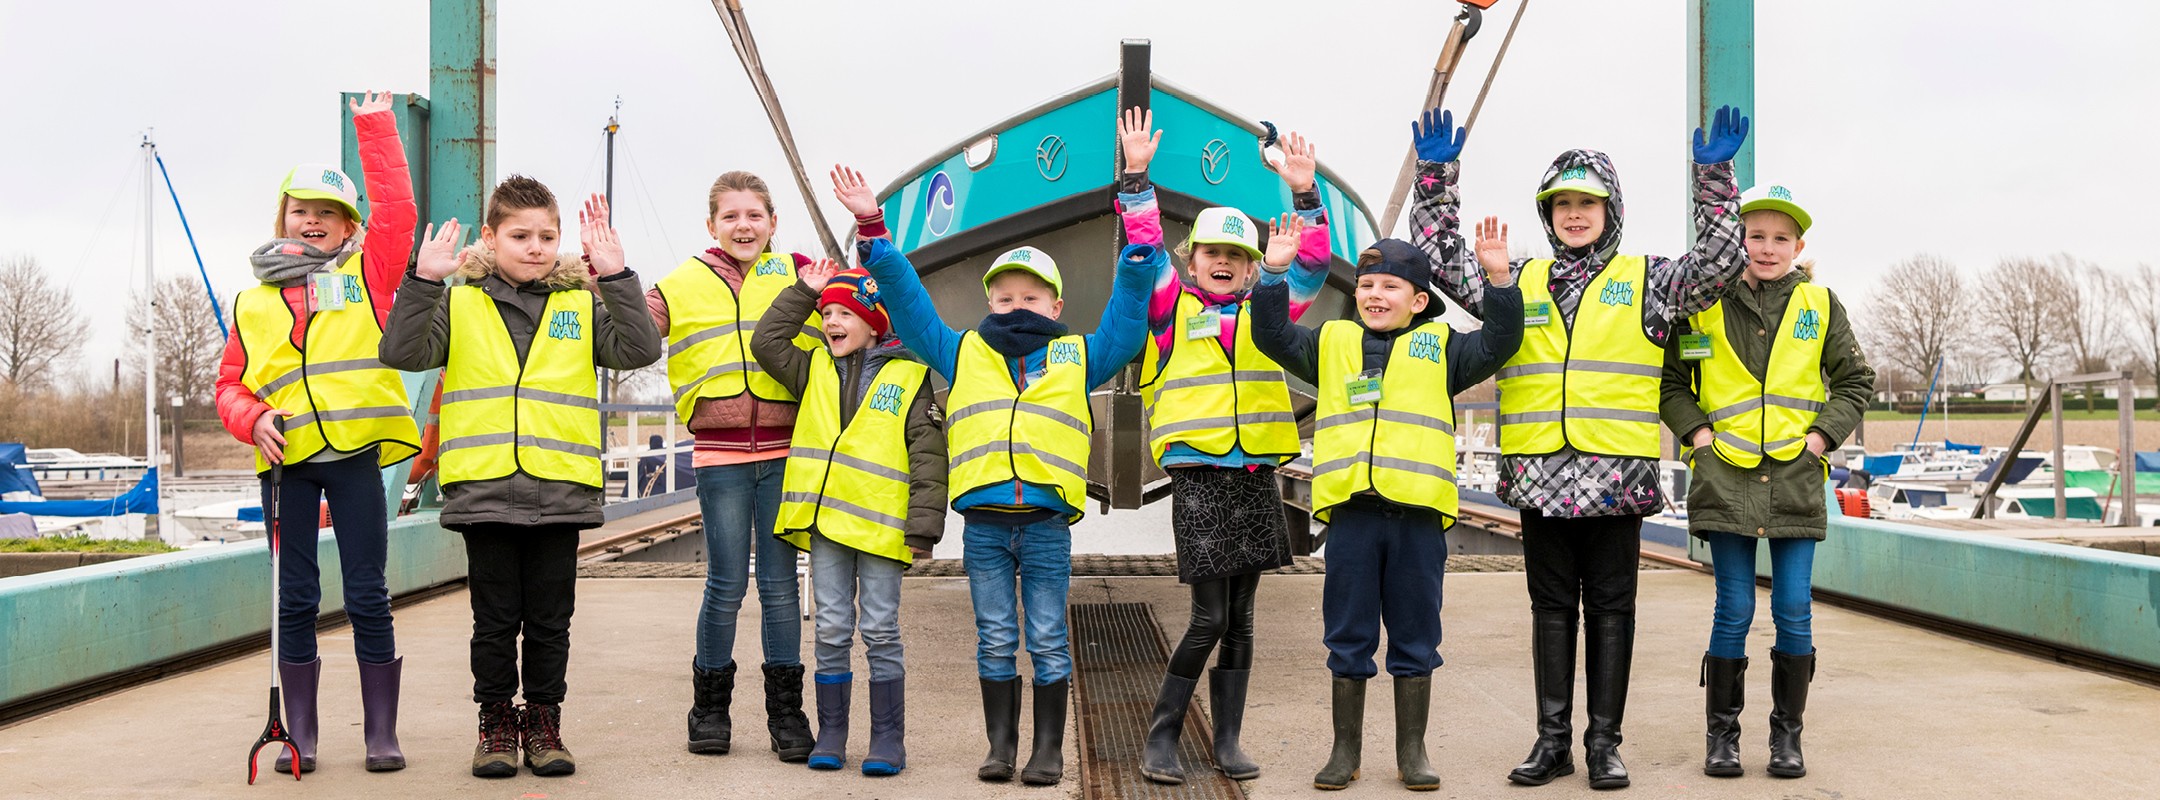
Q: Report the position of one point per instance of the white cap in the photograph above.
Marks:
(1026, 257)
(1221, 225)
(323, 182)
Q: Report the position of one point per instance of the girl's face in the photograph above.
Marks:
(1773, 241)
(524, 244)
(1578, 218)
(1220, 268)
(320, 223)
(1386, 302)
(742, 226)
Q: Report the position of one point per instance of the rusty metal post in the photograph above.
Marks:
(461, 119)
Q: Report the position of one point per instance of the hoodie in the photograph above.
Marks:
(1568, 483)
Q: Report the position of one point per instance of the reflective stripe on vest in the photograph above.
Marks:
(540, 417)
(1401, 448)
(709, 330)
(1591, 386)
(1752, 417)
(341, 397)
(996, 432)
(851, 485)
(1210, 402)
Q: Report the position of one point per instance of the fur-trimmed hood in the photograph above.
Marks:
(477, 262)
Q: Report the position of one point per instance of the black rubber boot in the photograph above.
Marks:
(1348, 699)
(833, 694)
(1789, 679)
(300, 683)
(1047, 765)
(888, 729)
(1413, 702)
(711, 692)
(1552, 658)
(1158, 759)
(784, 717)
(1725, 684)
(1001, 722)
(497, 754)
(1226, 698)
(1610, 649)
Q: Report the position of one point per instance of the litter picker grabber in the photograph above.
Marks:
(1466, 26)
(275, 730)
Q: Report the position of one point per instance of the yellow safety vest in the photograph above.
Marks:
(851, 485)
(1210, 401)
(997, 432)
(1753, 417)
(1592, 386)
(1402, 447)
(709, 330)
(341, 396)
(500, 416)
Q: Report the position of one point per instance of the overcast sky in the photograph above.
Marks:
(1975, 130)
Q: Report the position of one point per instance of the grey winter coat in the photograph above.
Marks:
(417, 339)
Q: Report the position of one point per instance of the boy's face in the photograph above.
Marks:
(1578, 218)
(1773, 241)
(1220, 268)
(524, 243)
(320, 223)
(742, 226)
(1016, 289)
(1386, 302)
(845, 333)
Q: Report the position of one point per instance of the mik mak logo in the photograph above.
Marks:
(1064, 352)
(777, 265)
(1234, 226)
(886, 398)
(565, 325)
(1425, 345)
(331, 178)
(1618, 293)
(1808, 326)
(1575, 174)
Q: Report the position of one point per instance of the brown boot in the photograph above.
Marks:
(496, 757)
(545, 754)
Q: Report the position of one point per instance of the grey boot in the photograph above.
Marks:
(833, 695)
(1413, 702)
(888, 728)
(1342, 764)
(1226, 699)
(379, 702)
(300, 682)
(1158, 758)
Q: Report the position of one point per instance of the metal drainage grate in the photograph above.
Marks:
(1120, 656)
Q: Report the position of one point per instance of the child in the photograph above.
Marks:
(1767, 408)
(1017, 438)
(1579, 434)
(303, 347)
(865, 492)
(741, 419)
(520, 455)
(1219, 439)
(1383, 471)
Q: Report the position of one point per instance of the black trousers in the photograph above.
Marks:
(523, 580)
(1586, 562)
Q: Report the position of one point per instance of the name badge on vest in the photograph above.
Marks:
(1365, 388)
(329, 291)
(1694, 346)
(1205, 325)
(1537, 314)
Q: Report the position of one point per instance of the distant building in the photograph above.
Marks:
(2006, 392)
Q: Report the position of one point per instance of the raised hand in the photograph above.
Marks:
(602, 248)
(373, 102)
(439, 251)
(1727, 131)
(1300, 161)
(818, 273)
(1137, 135)
(854, 194)
(1282, 244)
(1436, 136)
(1492, 250)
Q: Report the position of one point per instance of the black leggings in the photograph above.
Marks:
(1222, 611)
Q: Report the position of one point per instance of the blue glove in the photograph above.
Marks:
(1727, 131)
(1432, 137)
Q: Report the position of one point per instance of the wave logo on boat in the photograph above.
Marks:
(1050, 161)
(938, 204)
(1215, 161)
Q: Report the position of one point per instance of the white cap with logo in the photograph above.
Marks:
(1031, 260)
(323, 182)
(1221, 225)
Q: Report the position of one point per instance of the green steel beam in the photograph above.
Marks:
(1721, 71)
(461, 125)
(412, 124)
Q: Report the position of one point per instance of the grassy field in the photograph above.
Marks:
(83, 544)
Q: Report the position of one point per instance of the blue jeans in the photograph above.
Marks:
(354, 488)
(1792, 564)
(1038, 555)
(845, 580)
(741, 503)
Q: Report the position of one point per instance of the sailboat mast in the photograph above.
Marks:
(149, 332)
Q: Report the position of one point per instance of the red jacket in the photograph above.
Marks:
(392, 215)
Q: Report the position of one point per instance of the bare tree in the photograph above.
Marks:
(1917, 315)
(2140, 291)
(2021, 312)
(40, 328)
(2089, 314)
(190, 339)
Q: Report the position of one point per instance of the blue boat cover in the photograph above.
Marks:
(1954, 447)
(2020, 469)
(2148, 462)
(15, 475)
(1880, 466)
(142, 499)
(251, 514)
